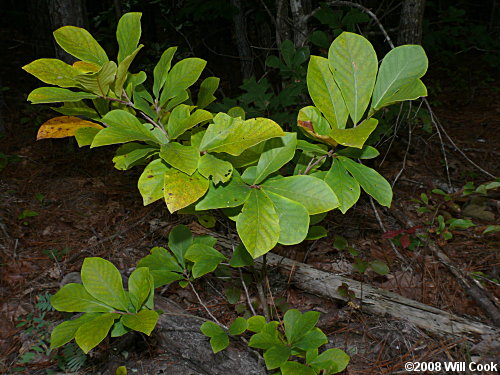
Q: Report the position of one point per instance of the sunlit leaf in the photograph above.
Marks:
(53, 72)
(64, 126)
(181, 189)
(79, 43)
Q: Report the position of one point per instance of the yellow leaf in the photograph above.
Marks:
(86, 67)
(64, 126)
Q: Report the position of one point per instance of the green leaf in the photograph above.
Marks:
(181, 120)
(181, 189)
(152, 180)
(231, 194)
(211, 329)
(233, 135)
(314, 194)
(402, 66)
(311, 148)
(205, 259)
(144, 321)
(258, 224)
(162, 265)
(237, 112)
(293, 219)
(219, 170)
(180, 239)
(119, 329)
(312, 339)
(238, 326)
(256, 323)
(53, 72)
(104, 282)
(85, 136)
(176, 100)
(277, 152)
(332, 361)
(122, 71)
(75, 298)
(316, 232)
(56, 94)
(298, 324)
(266, 338)
(413, 90)
(184, 158)
(183, 75)
(295, 368)
(79, 43)
(128, 34)
(379, 267)
(91, 333)
(241, 257)
(219, 342)
(139, 286)
(492, 229)
(370, 180)
(161, 69)
(65, 332)
(345, 187)
(276, 356)
(355, 137)
(206, 91)
(99, 82)
(354, 64)
(77, 109)
(128, 154)
(325, 93)
(124, 127)
(459, 224)
(313, 116)
(367, 152)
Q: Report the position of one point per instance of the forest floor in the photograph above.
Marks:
(60, 204)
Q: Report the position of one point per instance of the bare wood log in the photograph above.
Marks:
(379, 301)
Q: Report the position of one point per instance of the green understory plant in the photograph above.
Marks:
(273, 184)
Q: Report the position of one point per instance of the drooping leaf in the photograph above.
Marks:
(128, 154)
(277, 152)
(206, 91)
(124, 127)
(370, 180)
(53, 72)
(119, 329)
(139, 286)
(56, 94)
(77, 109)
(325, 93)
(179, 240)
(412, 90)
(181, 120)
(122, 71)
(144, 321)
(63, 126)
(85, 136)
(355, 137)
(354, 64)
(103, 281)
(345, 187)
(316, 232)
(276, 356)
(258, 224)
(233, 135)
(332, 361)
(65, 332)
(161, 70)
(367, 152)
(315, 125)
(79, 43)
(75, 298)
(401, 66)
(184, 158)
(293, 219)
(311, 148)
(183, 75)
(181, 189)
(152, 180)
(91, 333)
(211, 166)
(314, 194)
(100, 82)
(231, 194)
(128, 34)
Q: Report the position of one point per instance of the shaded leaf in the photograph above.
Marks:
(56, 94)
(144, 321)
(91, 333)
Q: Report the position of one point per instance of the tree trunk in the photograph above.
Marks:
(240, 34)
(410, 23)
(300, 30)
(41, 33)
(282, 27)
(64, 13)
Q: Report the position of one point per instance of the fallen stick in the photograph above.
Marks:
(379, 301)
